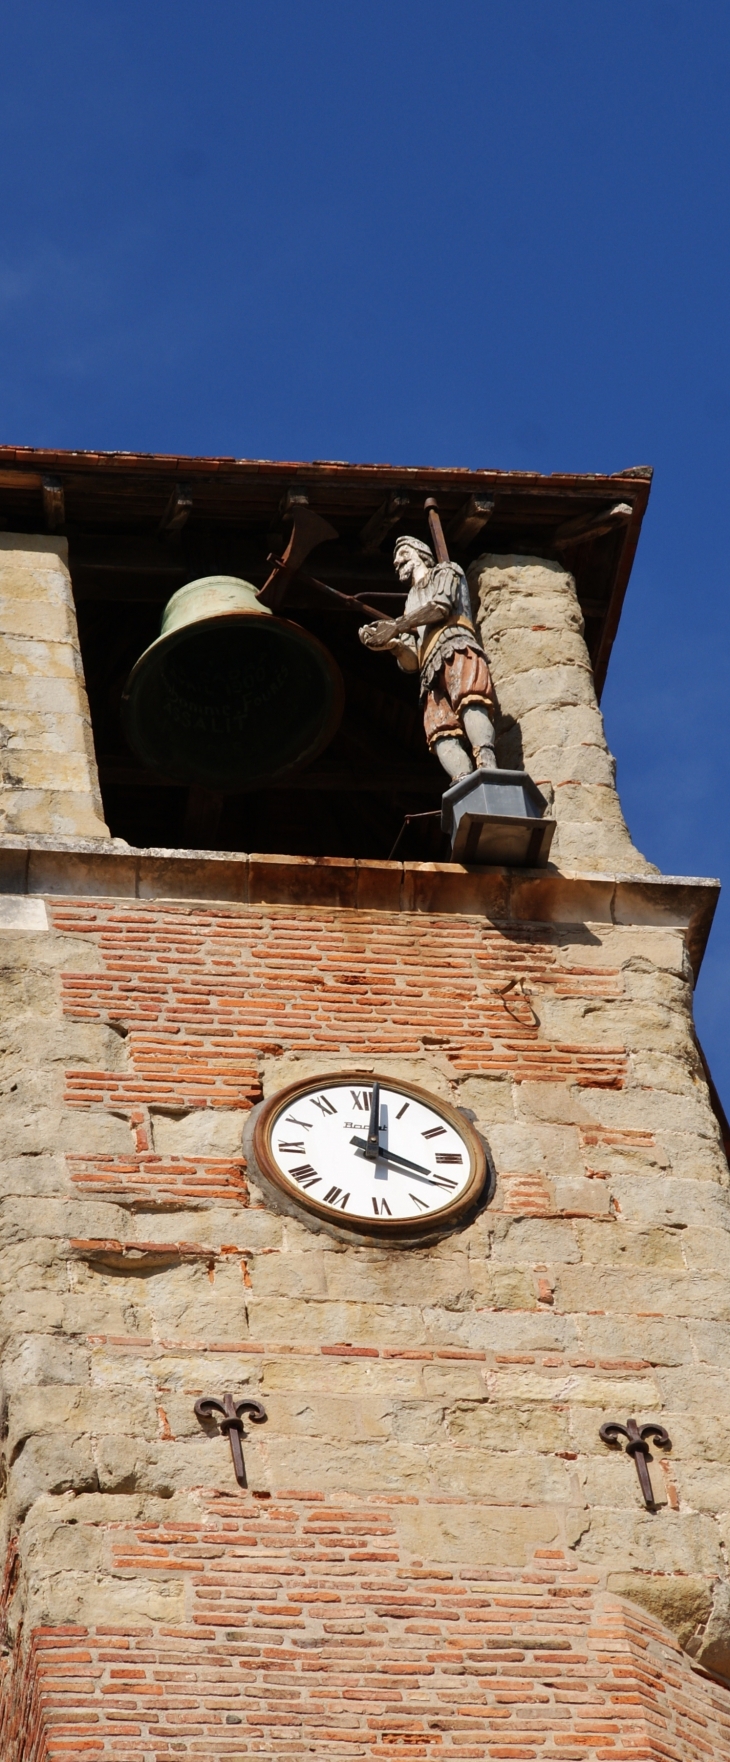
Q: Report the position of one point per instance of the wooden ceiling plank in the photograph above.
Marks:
(610, 624)
(20, 480)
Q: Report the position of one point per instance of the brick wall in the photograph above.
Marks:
(311, 1634)
(437, 1554)
(203, 994)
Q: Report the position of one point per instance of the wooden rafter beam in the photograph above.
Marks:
(54, 505)
(383, 520)
(465, 526)
(178, 510)
(589, 526)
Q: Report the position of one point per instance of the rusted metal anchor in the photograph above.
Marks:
(207, 1408)
(638, 1448)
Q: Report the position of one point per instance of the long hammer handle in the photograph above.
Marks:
(436, 530)
(345, 599)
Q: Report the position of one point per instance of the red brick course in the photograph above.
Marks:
(308, 1633)
(147, 1177)
(204, 993)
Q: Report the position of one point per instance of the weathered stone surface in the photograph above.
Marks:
(711, 1645)
(50, 1465)
(682, 1604)
(479, 1537)
(87, 1598)
(211, 1131)
(49, 780)
(664, 1541)
(549, 723)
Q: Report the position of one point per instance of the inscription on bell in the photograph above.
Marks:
(219, 693)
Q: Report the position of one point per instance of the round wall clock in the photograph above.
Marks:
(383, 1159)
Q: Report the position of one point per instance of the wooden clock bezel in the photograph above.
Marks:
(380, 1229)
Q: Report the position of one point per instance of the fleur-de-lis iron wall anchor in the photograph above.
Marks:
(638, 1448)
(208, 1408)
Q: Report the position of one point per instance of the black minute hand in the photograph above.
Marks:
(373, 1141)
(390, 1156)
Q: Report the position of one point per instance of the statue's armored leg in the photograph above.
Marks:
(452, 754)
(479, 729)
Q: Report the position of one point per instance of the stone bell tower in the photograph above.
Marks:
(364, 1215)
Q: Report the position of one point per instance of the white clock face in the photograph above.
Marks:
(372, 1154)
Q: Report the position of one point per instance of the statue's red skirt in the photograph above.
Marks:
(464, 679)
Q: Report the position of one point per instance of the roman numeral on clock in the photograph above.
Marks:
(333, 1198)
(444, 1181)
(421, 1203)
(305, 1175)
(361, 1099)
(292, 1120)
(321, 1101)
(449, 1156)
(294, 1147)
(434, 1132)
(384, 1211)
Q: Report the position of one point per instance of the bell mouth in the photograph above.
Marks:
(233, 700)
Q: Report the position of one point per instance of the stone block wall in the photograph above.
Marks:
(49, 781)
(436, 1554)
(549, 722)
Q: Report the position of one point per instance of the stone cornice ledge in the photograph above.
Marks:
(107, 868)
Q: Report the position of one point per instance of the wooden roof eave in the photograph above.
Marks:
(26, 467)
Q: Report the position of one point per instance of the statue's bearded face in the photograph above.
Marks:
(408, 564)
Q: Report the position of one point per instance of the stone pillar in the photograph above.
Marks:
(549, 722)
(48, 781)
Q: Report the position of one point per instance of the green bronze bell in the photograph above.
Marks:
(230, 696)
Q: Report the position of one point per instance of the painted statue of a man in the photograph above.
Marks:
(435, 636)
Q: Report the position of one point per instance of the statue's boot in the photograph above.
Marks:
(452, 754)
(485, 758)
(480, 731)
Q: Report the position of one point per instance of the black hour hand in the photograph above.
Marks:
(402, 1162)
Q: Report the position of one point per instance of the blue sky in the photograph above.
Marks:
(488, 233)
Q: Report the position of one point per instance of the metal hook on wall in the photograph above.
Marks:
(638, 1448)
(208, 1407)
(518, 985)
